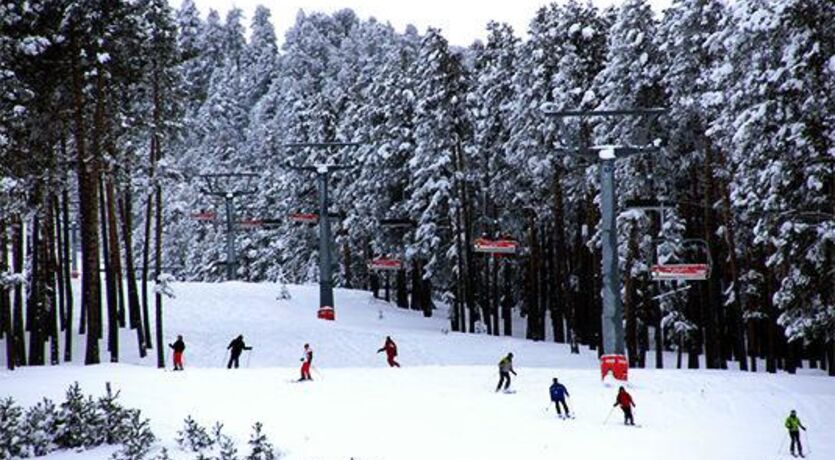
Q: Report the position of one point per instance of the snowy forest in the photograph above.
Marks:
(115, 114)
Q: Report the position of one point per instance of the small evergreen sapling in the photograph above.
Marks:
(11, 444)
(40, 428)
(115, 417)
(193, 437)
(79, 423)
(260, 446)
(138, 438)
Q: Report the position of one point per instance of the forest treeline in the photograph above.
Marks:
(112, 112)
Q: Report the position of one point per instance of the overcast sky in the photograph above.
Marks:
(462, 21)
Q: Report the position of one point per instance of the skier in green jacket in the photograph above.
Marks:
(505, 369)
(793, 425)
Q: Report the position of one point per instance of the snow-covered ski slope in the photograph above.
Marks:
(441, 403)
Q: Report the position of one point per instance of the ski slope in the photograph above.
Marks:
(440, 404)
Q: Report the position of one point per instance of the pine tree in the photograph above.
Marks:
(138, 438)
(194, 437)
(40, 427)
(79, 424)
(260, 446)
(11, 427)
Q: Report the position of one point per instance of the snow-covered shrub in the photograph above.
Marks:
(260, 447)
(138, 438)
(80, 425)
(163, 455)
(11, 444)
(226, 448)
(193, 437)
(39, 428)
(115, 417)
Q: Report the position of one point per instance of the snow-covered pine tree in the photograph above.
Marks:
(260, 447)
(114, 417)
(79, 423)
(775, 81)
(11, 426)
(138, 440)
(194, 437)
(40, 424)
(440, 136)
(490, 102)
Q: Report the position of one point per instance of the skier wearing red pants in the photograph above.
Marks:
(179, 347)
(307, 361)
(391, 352)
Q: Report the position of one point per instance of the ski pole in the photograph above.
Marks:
(248, 357)
(316, 369)
(225, 359)
(782, 443)
(610, 414)
(808, 446)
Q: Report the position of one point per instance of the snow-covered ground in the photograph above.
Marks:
(441, 403)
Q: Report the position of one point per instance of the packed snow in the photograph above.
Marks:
(441, 404)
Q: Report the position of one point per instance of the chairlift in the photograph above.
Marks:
(385, 264)
(249, 224)
(691, 271)
(204, 216)
(304, 218)
(497, 246)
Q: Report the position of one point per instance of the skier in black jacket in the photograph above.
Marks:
(179, 347)
(237, 346)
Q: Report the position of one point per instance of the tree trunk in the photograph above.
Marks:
(58, 261)
(110, 280)
(36, 306)
(115, 252)
(507, 302)
(51, 270)
(712, 303)
(65, 215)
(157, 273)
(630, 303)
(146, 265)
(559, 261)
(5, 303)
(88, 173)
(17, 314)
(402, 293)
(134, 308)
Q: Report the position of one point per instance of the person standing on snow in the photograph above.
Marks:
(624, 399)
(179, 347)
(391, 352)
(558, 394)
(237, 346)
(505, 369)
(793, 425)
(307, 361)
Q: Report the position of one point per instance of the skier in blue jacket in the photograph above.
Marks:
(558, 394)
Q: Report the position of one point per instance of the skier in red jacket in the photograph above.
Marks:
(391, 352)
(307, 361)
(626, 404)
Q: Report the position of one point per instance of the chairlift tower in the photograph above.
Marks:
(323, 171)
(222, 185)
(606, 156)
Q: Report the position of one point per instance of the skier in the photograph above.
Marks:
(179, 347)
(391, 352)
(307, 361)
(237, 346)
(505, 369)
(624, 399)
(793, 425)
(558, 394)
